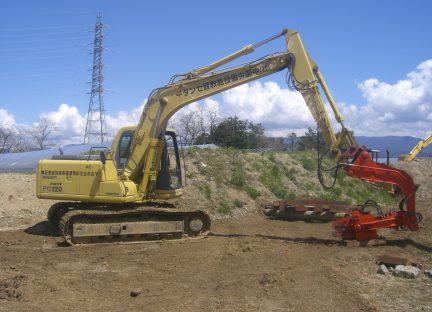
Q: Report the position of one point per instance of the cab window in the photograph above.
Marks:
(124, 149)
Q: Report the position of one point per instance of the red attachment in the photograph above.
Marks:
(363, 225)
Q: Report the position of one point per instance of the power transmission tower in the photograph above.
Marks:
(95, 126)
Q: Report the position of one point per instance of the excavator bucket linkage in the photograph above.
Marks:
(362, 225)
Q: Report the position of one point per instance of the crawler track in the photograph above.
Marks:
(82, 223)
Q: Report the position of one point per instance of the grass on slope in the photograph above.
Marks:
(228, 181)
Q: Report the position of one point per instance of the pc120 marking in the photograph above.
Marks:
(53, 189)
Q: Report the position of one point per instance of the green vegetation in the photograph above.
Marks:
(332, 194)
(219, 179)
(271, 157)
(309, 141)
(228, 178)
(291, 196)
(290, 173)
(238, 178)
(309, 186)
(253, 193)
(309, 164)
(238, 203)
(237, 133)
(224, 208)
(360, 191)
(192, 150)
(271, 177)
(206, 189)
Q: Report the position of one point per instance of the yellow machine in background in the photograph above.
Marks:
(117, 195)
(416, 149)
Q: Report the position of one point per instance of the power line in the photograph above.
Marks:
(11, 35)
(42, 49)
(43, 54)
(46, 73)
(24, 59)
(74, 82)
(47, 40)
(95, 126)
(40, 28)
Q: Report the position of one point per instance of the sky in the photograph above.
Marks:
(375, 55)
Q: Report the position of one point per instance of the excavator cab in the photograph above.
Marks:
(123, 148)
(170, 175)
(169, 178)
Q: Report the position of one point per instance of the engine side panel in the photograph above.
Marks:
(82, 180)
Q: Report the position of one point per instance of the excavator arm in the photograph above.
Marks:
(354, 159)
(306, 78)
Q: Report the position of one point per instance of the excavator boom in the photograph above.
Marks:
(166, 101)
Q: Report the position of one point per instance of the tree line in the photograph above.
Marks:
(201, 125)
(24, 139)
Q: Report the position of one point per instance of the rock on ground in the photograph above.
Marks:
(406, 271)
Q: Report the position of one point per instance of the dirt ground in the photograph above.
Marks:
(420, 169)
(246, 263)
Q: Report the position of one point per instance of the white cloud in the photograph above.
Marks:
(7, 120)
(209, 108)
(113, 123)
(69, 124)
(207, 104)
(402, 108)
(280, 110)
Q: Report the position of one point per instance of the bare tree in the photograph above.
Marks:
(292, 138)
(213, 118)
(195, 125)
(41, 131)
(188, 127)
(6, 135)
(201, 122)
(20, 142)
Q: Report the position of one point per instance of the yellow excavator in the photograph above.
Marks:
(118, 195)
(416, 149)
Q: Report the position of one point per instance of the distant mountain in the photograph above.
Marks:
(395, 144)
